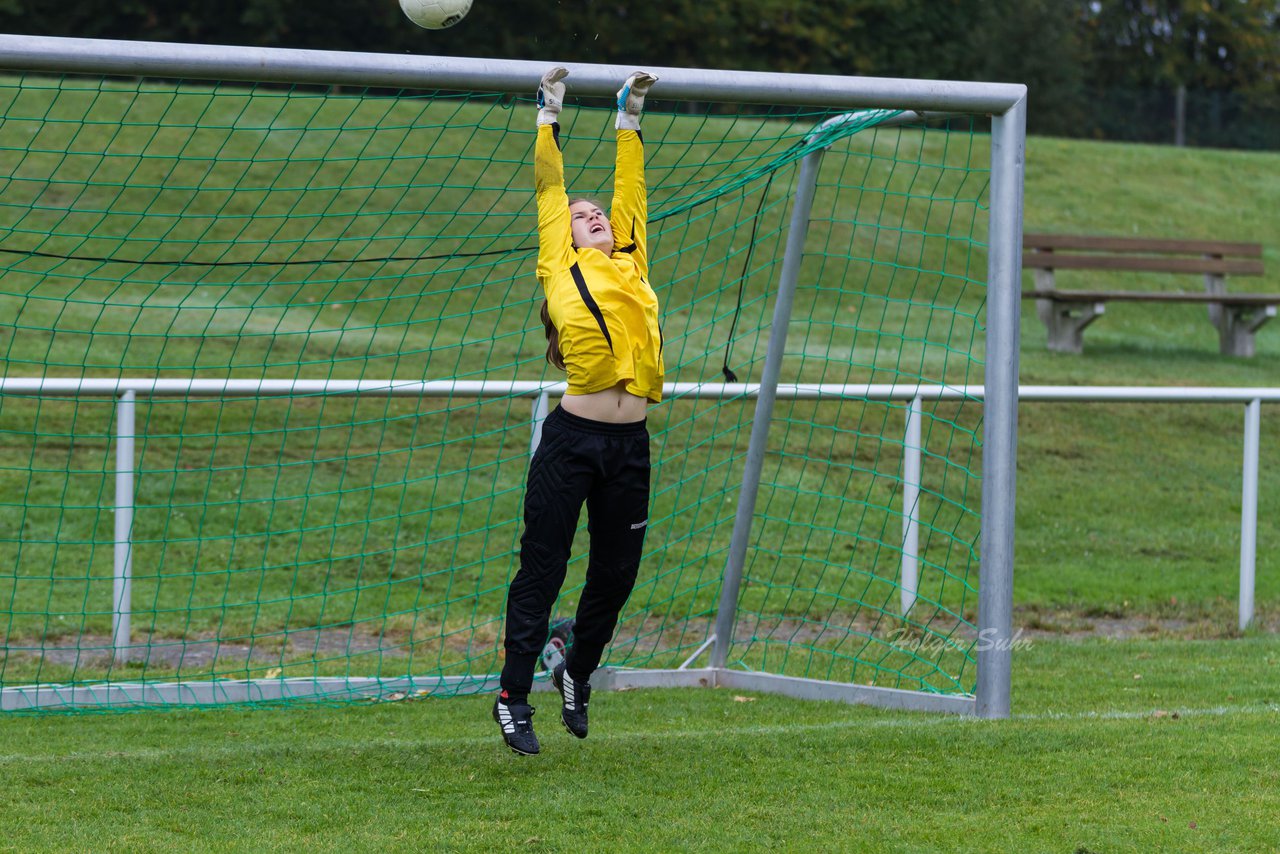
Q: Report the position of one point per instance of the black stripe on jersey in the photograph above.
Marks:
(592, 305)
(630, 247)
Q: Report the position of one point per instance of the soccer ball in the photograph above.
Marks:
(435, 14)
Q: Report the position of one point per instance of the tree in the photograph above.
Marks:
(1203, 44)
(1071, 55)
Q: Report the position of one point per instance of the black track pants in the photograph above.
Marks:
(607, 467)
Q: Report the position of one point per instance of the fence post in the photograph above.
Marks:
(541, 406)
(1249, 510)
(911, 452)
(122, 584)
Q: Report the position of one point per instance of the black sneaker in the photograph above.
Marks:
(516, 720)
(575, 695)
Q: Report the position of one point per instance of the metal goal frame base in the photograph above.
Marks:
(123, 695)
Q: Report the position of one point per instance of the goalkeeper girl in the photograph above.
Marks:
(601, 319)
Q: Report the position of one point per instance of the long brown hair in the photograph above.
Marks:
(554, 356)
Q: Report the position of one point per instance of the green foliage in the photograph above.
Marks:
(1204, 44)
(1073, 56)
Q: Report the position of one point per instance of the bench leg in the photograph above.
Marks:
(1217, 285)
(1237, 325)
(1066, 322)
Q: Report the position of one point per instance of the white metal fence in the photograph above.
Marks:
(126, 391)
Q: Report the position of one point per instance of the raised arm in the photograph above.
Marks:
(555, 238)
(629, 214)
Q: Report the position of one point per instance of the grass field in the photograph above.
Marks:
(1135, 746)
(1142, 720)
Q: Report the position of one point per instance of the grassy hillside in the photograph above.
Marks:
(158, 229)
(256, 516)
(1135, 508)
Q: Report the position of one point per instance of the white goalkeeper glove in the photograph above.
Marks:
(631, 99)
(551, 95)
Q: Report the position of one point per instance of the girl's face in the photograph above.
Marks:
(590, 227)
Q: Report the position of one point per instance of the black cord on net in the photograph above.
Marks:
(31, 253)
(729, 375)
(728, 372)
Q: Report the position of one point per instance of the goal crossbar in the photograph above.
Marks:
(329, 68)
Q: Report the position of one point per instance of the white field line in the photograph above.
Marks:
(914, 720)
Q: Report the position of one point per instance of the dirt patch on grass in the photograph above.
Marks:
(1204, 625)
(208, 653)
(676, 639)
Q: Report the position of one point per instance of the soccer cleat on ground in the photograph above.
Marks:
(516, 721)
(575, 695)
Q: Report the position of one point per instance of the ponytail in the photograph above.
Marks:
(554, 356)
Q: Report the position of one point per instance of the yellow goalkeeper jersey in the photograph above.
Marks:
(602, 305)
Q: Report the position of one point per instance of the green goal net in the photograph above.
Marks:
(273, 369)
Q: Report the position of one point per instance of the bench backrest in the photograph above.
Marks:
(1141, 254)
(1098, 243)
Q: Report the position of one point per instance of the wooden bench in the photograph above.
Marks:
(1067, 313)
